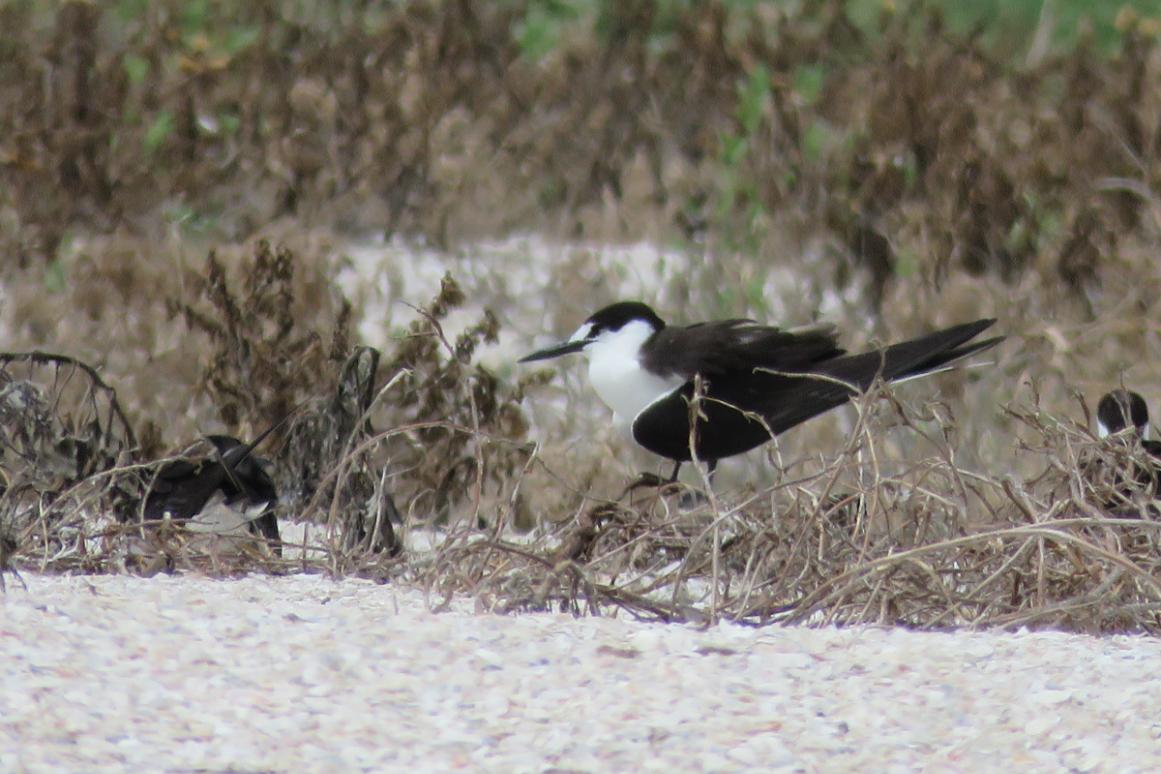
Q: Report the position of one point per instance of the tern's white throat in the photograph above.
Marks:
(616, 372)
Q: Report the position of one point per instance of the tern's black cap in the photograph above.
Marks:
(1120, 407)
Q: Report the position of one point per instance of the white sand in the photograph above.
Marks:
(306, 674)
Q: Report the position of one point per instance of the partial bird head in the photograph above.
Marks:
(623, 325)
(224, 443)
(1119, 410)
(238, 457)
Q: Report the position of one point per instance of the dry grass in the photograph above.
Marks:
(931, 546)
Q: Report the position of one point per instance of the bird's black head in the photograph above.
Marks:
(601, 323)
(615, 316)
(1119, 408)
(224, 443)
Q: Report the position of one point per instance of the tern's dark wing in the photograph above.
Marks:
(247, 481)
(182, 488)
(173, 473)
(743, 410)
(736, 345)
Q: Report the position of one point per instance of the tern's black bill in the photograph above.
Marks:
(556, 350)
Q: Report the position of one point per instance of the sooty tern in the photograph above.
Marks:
(183, 487)
(757, 380)
(1124, 411)
(1121, 409)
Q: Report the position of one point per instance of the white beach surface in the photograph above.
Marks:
(303, 673)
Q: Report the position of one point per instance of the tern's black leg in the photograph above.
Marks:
(654, 481)
(691, 498)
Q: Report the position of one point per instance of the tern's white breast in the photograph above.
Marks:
(617, 376)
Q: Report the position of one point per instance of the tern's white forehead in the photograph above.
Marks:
(582, 332)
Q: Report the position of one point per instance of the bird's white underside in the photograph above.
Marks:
(1103, 432)
(616, 372)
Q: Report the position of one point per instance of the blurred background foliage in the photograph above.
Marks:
(915, 137)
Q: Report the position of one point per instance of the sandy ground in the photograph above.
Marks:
(307, 674)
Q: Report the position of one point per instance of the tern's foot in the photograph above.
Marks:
(646, 481)
(688, 497)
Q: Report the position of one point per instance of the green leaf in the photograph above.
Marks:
(239, 38)
(814, 141)
(132, 10)
(159, 131)
(535, 36)
(752, 98)
(540, 29)
(808, 82)
(54, 276)
(734, 149)
(195, 15)
(230, 122)
(906, 264)
(756, 294)
(136, 67)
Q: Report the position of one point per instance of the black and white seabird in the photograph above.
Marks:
(1125, 412)
(1122, 410)
(183, 487)
(757, 380)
